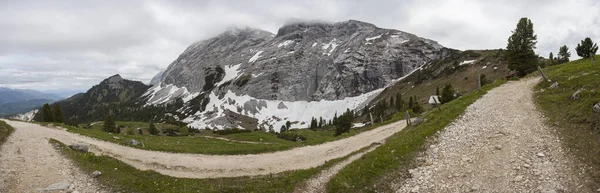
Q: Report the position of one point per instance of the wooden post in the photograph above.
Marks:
(543, 74)
(371, 115)
(479, 81)
(407, 118)
(437, 102)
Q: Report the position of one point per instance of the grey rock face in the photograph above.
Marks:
(157, 78)
(302, 62)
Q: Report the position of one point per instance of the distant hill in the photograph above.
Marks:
(12, 108)
(8, 95)
(15, 101)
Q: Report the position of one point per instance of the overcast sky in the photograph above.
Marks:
(73, 45)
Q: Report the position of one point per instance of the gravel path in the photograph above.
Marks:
(500, 144)
(29, 163)
(318, 183)
(213, 166)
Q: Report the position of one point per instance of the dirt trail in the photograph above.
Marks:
(500, 144)
(29, 163)
(213, 166)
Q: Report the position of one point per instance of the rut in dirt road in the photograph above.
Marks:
(500, 144)
(214, 166)
(29, 163)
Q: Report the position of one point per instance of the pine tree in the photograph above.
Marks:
(391, 101)
(551, 57)
(109, 125)
(520, 49)
(399, 102)
(47, 113)
(448, 94)
(563, 54)
(152, 129)
(288, 124)
(587, 48)
(437, 90)
(410, 103)
(321, 122)
(417, 107)
(57, 114)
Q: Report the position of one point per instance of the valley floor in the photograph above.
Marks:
(500, 144)
(204, 166)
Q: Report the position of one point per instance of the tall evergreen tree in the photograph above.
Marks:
(587, 48)
(437, 90)
(288, 124)
(448, 94)
(563, 54)
(57, 114)
(520, 49)
(399, 102)
(109, 125)
(321, 124)
(410, 102)
(551, 58)
(47, 113)
(152, 129)
(417, 107)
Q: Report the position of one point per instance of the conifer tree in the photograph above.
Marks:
(109, 125)
(587, 48)
(152, 129)
(563, 54)
(47, 113)
(57, 114)
(520, 49)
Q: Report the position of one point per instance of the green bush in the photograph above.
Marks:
(230, 131)
(5, 131)
(291, 136)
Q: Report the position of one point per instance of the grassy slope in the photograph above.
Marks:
(5, 131)
(464, 80)
(120, 176)
(199, 144)
(576, 123)
(376, 170)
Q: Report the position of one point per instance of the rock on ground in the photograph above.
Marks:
(500, 144)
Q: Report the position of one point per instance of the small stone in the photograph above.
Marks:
(415, 189)
(95, 174)
(526, 166)
(597, 108)
(80, 147)
(497, 147)
(518, 178)
(541, 154)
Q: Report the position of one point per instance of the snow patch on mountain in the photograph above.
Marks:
(255, 57)
(285, 43)
(231, 72)
(466, 62)
(373, 38)
(28, 116)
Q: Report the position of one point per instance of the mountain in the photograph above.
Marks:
(8, 95)
(307, 69)
(113, 95)
(14, 101)
(12, 108)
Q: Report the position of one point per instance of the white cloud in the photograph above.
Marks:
(76, 44)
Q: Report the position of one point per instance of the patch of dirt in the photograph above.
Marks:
(29, 163)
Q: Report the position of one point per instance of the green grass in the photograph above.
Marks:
(5, 131)
(197, 143)
(121, 177)
(375, 171)
(576, 123)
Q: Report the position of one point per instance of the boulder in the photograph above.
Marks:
(95, 174)
(132, 142)
(80, 147)
(554, 85)
(596, 107)
(575, 95)
(416, 121)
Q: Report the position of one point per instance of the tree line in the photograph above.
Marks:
(520, 53)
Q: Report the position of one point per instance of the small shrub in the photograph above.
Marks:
(140, 131)
(153, 130)
(130, 131)
(184, 131)
(291, 136)
(230, 131)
